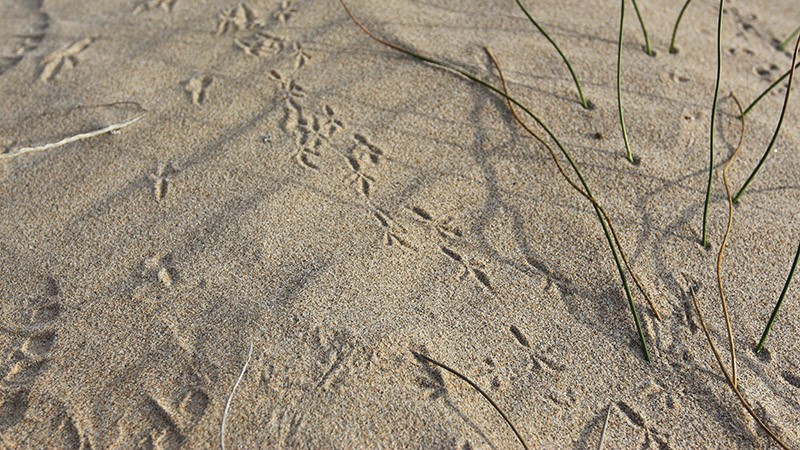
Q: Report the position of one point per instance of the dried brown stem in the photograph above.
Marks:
(725, 241)
(727, 375)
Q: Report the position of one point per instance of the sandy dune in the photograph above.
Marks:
(295, 186)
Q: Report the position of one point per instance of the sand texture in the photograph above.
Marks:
(293, 185)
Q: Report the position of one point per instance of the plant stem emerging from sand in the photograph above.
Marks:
(574, 186)
(480, 391)
(780, 301)
(605, 426)
(230, 398)
(572, 72)
(644, 29)
(789, 39)
(767, 90)
(549, 133)
(724, 242)
(713, 120)
(725, 371)
(619, 70)
(780, 122)
(71, 139)
(672, 48)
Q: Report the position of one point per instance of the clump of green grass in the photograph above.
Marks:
(569, 66)
(780, 301)
(713, 120)
(551, 135)
(786, 42)
(480, 391)
(672, 48)
(619, 81)
(780, 122)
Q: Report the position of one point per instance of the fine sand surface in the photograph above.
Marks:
(293, 185)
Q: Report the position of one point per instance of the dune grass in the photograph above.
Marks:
(725, 372)
(767, 90)
(786, 41)
(778, 128)
(725, 242)
(649, 50)
(713, 121)
(619, 81)
(780, 301)
(729, 376)
(566, 61)
(672, 48)
(549, 133)
(574, 186)
(480, 391)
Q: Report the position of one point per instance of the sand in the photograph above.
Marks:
(295, 186)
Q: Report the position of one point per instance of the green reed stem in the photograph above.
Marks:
(644, 29)
(789, 39)
(549, 133)
(569, 66)
(780, 301)
(778, 128)
(619, 81)
(672, 48)
(766, 91)
(713, 119)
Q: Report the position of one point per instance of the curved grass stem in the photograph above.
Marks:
(780, 122)
(672, 48)
(569, 66)
(789, 39)
(644, 29)
(480, 391)
(725, 242)
(713, 121)
(731, 383)
(780, 301)
(619, 82)
(549, 133)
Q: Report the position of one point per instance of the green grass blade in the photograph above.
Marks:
(619, 81)
(778, 128)
(569, 66)
(644, 29)
(672, 48)
(789, 39)
(780, 301)
(713, 120)
(549, 133)
(766, 91)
